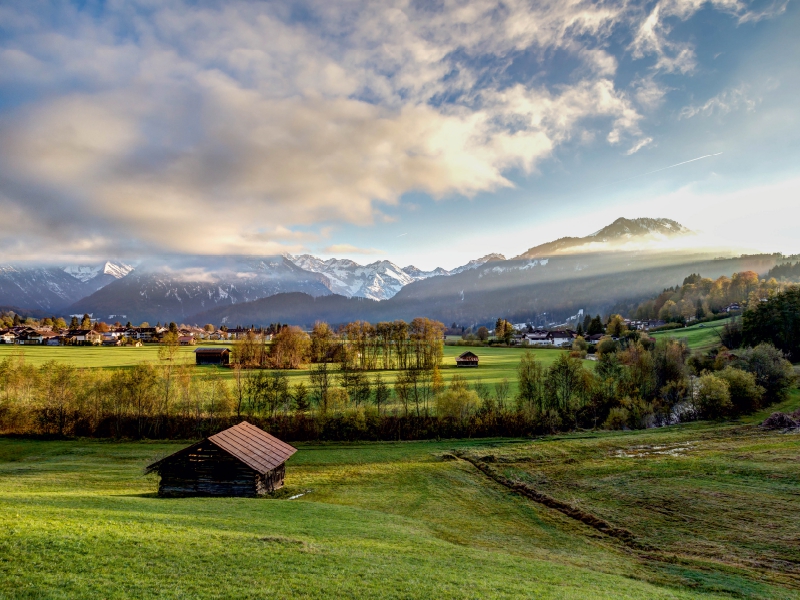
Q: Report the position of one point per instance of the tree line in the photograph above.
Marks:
(358, 346)
(636, 383)
(700, 297)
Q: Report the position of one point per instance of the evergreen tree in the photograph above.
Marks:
(595, 326)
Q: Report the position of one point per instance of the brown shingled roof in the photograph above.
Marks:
(254, 447)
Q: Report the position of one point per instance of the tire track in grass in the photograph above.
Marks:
(523, 489)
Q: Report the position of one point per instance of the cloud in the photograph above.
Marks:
(350, 249)
(639, 145)
(723, 103)
(239, 128)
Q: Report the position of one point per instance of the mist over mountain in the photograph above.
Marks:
(539, 291)
(379, 280)
(622, 232)
(612, 267)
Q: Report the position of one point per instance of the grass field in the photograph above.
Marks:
(703, 336)
(495, 363)
(394, 520)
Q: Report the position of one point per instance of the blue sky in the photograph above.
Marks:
(422, 132)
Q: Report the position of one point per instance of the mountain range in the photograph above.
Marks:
(547, 282)
(378, 280)
(51, 288)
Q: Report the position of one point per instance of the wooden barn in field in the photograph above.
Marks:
(212, 356)
(467, 359)
(240, 461)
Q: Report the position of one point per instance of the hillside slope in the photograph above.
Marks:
(538, 291)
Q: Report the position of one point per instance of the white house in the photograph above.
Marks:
(560, 338)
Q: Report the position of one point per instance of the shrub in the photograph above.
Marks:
(457, 403)
(617, 419)
(713, 397)
(772, 371)
(746, 394)
(607, 344)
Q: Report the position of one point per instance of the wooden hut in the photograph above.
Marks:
(212, 356)
(467, 359)
(240, 461)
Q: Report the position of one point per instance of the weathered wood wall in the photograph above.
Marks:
(206, 470)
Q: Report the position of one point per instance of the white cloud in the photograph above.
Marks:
(639, 145)
(225, 129)
(723, 103)
(338, 249)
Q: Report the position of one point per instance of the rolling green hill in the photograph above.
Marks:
(395, 520)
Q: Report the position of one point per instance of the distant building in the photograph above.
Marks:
(467, 359)
(212, 356)
(560, 338)
(83, 337)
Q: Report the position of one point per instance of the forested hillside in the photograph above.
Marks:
(537, 291)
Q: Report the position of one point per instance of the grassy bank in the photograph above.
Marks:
(395, 520)
(702, 336)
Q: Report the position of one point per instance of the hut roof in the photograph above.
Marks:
(256, 448)
(467, 356)
(212, 350)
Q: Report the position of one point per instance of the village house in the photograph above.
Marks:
(560, 338)
(83, 337)
(29, 338)
(238, 333)
(146, 334)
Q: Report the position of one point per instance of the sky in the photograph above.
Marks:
(425, 133)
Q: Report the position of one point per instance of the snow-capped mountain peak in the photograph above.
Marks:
(85, 273)
(379, 280)
(117, 270)
(475, 263)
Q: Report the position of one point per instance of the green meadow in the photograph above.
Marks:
(495, 363)
(714, 507)
(702, 336)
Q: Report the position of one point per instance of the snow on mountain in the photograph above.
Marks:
(117, 270)
(46, 288)
(478, 262)
(82, 272)
(178, 287)
(86, 273)
(377, 281)
(417, 274)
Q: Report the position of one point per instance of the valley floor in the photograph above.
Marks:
(712, 507)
